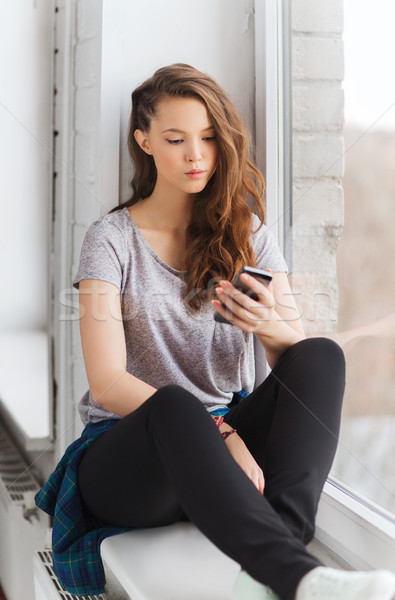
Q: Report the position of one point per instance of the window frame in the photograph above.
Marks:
(361, 533)
(34, 432)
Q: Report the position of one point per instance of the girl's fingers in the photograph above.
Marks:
(257, 286)
(231, 316)
(257, 479)
(238, 302)
(260, 485)
(234, 299)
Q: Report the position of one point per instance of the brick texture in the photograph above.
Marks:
(318, 16)
(318, 58)
(318, 164)
(78, 113)
(317, 106)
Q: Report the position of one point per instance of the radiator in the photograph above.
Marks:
(22, 529)
(47, 585)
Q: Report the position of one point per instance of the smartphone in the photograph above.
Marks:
(264, 276)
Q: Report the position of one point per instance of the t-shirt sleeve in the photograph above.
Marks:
(102, 254)
(267, 251)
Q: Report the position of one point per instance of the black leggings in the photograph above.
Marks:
(167, 462)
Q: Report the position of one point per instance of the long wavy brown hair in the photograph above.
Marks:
(218, 236)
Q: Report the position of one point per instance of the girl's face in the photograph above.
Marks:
(182, 142)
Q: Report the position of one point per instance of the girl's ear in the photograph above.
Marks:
(142, 139)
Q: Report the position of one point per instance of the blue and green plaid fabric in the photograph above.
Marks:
(76, 534)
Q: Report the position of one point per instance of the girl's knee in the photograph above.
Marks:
(331, 355)
(326, 346)
(321, 356)
(325, 358)
(321, 348)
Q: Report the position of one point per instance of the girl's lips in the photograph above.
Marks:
(195, 174)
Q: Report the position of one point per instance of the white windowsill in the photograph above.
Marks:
(24, 387)
(360, 532)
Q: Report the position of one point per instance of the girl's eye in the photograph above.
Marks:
(179, 141)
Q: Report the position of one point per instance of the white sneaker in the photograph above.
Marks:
(247, 588)
(325, 583)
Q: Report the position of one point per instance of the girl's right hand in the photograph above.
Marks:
(245, 460)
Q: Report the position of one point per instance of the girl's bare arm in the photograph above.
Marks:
(104, 349)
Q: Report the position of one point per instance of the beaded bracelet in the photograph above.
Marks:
(218, 420)
(226, 434)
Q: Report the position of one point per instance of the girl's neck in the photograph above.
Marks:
(167, 209)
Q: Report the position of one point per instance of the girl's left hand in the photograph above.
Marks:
(252, 316)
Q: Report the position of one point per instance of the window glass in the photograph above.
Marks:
(366, 255)
(25, 191)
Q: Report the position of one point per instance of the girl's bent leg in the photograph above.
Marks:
(290, 423)
(172, 437)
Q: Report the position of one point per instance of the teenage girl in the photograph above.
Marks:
(153, 272)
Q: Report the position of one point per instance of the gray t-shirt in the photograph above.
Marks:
(164, 342)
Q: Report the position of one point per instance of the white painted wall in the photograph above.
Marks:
(26, 53)
(215, 36)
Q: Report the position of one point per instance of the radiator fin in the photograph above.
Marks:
(45, 557)
(14, 471)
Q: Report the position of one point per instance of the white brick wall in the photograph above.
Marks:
(316, 58)
(78, 39)
(318, 165)
(308, 213)
(317, 16)
(86, 137)
(86, 19)
(318, 155)
(318, 106)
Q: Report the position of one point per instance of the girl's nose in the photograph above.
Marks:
(193, 153)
